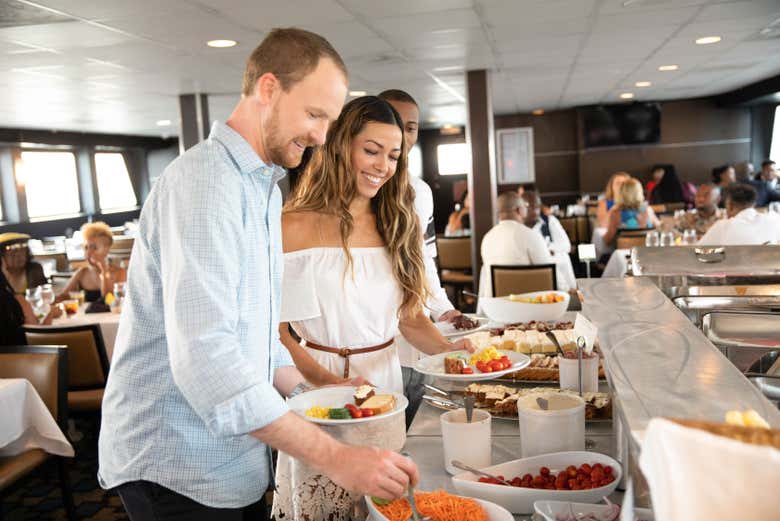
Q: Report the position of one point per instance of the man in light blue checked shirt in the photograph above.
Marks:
(194, 397)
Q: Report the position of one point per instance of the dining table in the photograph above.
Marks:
(108, 322)
(27, 423)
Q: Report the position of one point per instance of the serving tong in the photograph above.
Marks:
(416, 515)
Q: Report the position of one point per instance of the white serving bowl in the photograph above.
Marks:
(493, 511)
(520, 500)
(506, 311)
(550, 510)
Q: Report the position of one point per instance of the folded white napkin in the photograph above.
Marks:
(697, 475)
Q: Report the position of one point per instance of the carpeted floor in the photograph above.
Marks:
(37, 496)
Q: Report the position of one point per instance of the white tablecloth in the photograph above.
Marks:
(109, 325)
(26, 422)
(598, 241)
(618, 264)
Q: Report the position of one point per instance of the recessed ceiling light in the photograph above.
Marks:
(537, 112)
(164, 123)
(704, 40)
(668, 68)
(221, 44)
(627, 95)
(357, 93)
(643, 84)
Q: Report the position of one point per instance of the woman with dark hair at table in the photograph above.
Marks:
(19, 269)
(16, 312)
(671, 190)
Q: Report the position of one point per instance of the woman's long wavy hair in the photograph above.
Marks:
(328, 185)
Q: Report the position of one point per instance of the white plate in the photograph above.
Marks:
(434, 366)
(337, 397)
(449, 331)
(506, 311)
(549, 510)
(494, 512)
(520, 500)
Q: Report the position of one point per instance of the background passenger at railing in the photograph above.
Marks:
(460, 220)
(16, 312)
(765, 185)
(706, 212)
(17, 264)
(745, 225)
(549, 227)
(610, 192)
(100, 275)
(671, 190)
(510, 242)
(630, 211)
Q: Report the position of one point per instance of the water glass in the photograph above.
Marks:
(667, 239)
(652, 239)
(47, 294)
(120, 292)
(689, 237)
(774, 206)
(78, 295)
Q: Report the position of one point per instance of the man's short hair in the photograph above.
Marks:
(766, 163)
(741, 195)
(397, 95)
(289, 54)
(508, 202)
(532, 195)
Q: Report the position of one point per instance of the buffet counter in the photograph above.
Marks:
(658, 363)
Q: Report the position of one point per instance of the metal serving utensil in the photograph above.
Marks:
(416, 516)
(468, 401)
(462, 466)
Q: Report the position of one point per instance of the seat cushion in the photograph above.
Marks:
(85, 401)
(13, 468)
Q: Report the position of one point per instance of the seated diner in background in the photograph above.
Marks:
(608, 201)
(99, 276)
(744, 226)
(671, 190)
(655, 178)
(16, 312)
(17, 264)
(630, 212)
(706, 212)
(723, 176)
(460, 221)
(766, 185)
(558, 242)
(768, 173)
(510, 242)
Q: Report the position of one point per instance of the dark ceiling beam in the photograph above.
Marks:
(51, 137)
(764, 91)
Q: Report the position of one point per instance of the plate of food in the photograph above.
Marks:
(440, 506)
(539, 305)
(462, 325)
(340, 405)
(543, 370)
(463, 366)
(501, 401)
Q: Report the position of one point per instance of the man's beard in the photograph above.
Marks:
(275, 145)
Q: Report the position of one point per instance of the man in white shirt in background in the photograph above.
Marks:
(440, 307)
(510, 242)
(744, 225)
(549, 227)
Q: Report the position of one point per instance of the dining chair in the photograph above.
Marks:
(88, 361)
(512, 279)
(46, 368)
(569, 225)
(454, 257)
(626, 242)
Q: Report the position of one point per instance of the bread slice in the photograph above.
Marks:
(380, 403)
(751, 435)
(363, 393)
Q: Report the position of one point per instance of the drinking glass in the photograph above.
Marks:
(774, 206)
(120, 292)
(667, 239)
(47, 294)
(652, 239)
(689, 237)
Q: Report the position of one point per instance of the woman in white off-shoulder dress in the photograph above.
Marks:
(354, 276)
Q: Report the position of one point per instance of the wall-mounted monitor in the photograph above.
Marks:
(617, 125)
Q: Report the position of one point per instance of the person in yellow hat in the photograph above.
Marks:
(17, 264)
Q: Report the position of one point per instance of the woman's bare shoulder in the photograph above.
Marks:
(299, 230)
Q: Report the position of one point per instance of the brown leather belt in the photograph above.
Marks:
(346, 352)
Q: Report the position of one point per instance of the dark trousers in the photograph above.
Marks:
(414, 391)
(147, 501)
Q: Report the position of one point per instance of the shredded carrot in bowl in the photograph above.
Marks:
(439, 505)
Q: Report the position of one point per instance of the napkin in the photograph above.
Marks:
(697, 475)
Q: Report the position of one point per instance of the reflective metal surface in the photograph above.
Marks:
(752, 330)
(696, 306)
(766, 290)
(658, 362)
(682, 266)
